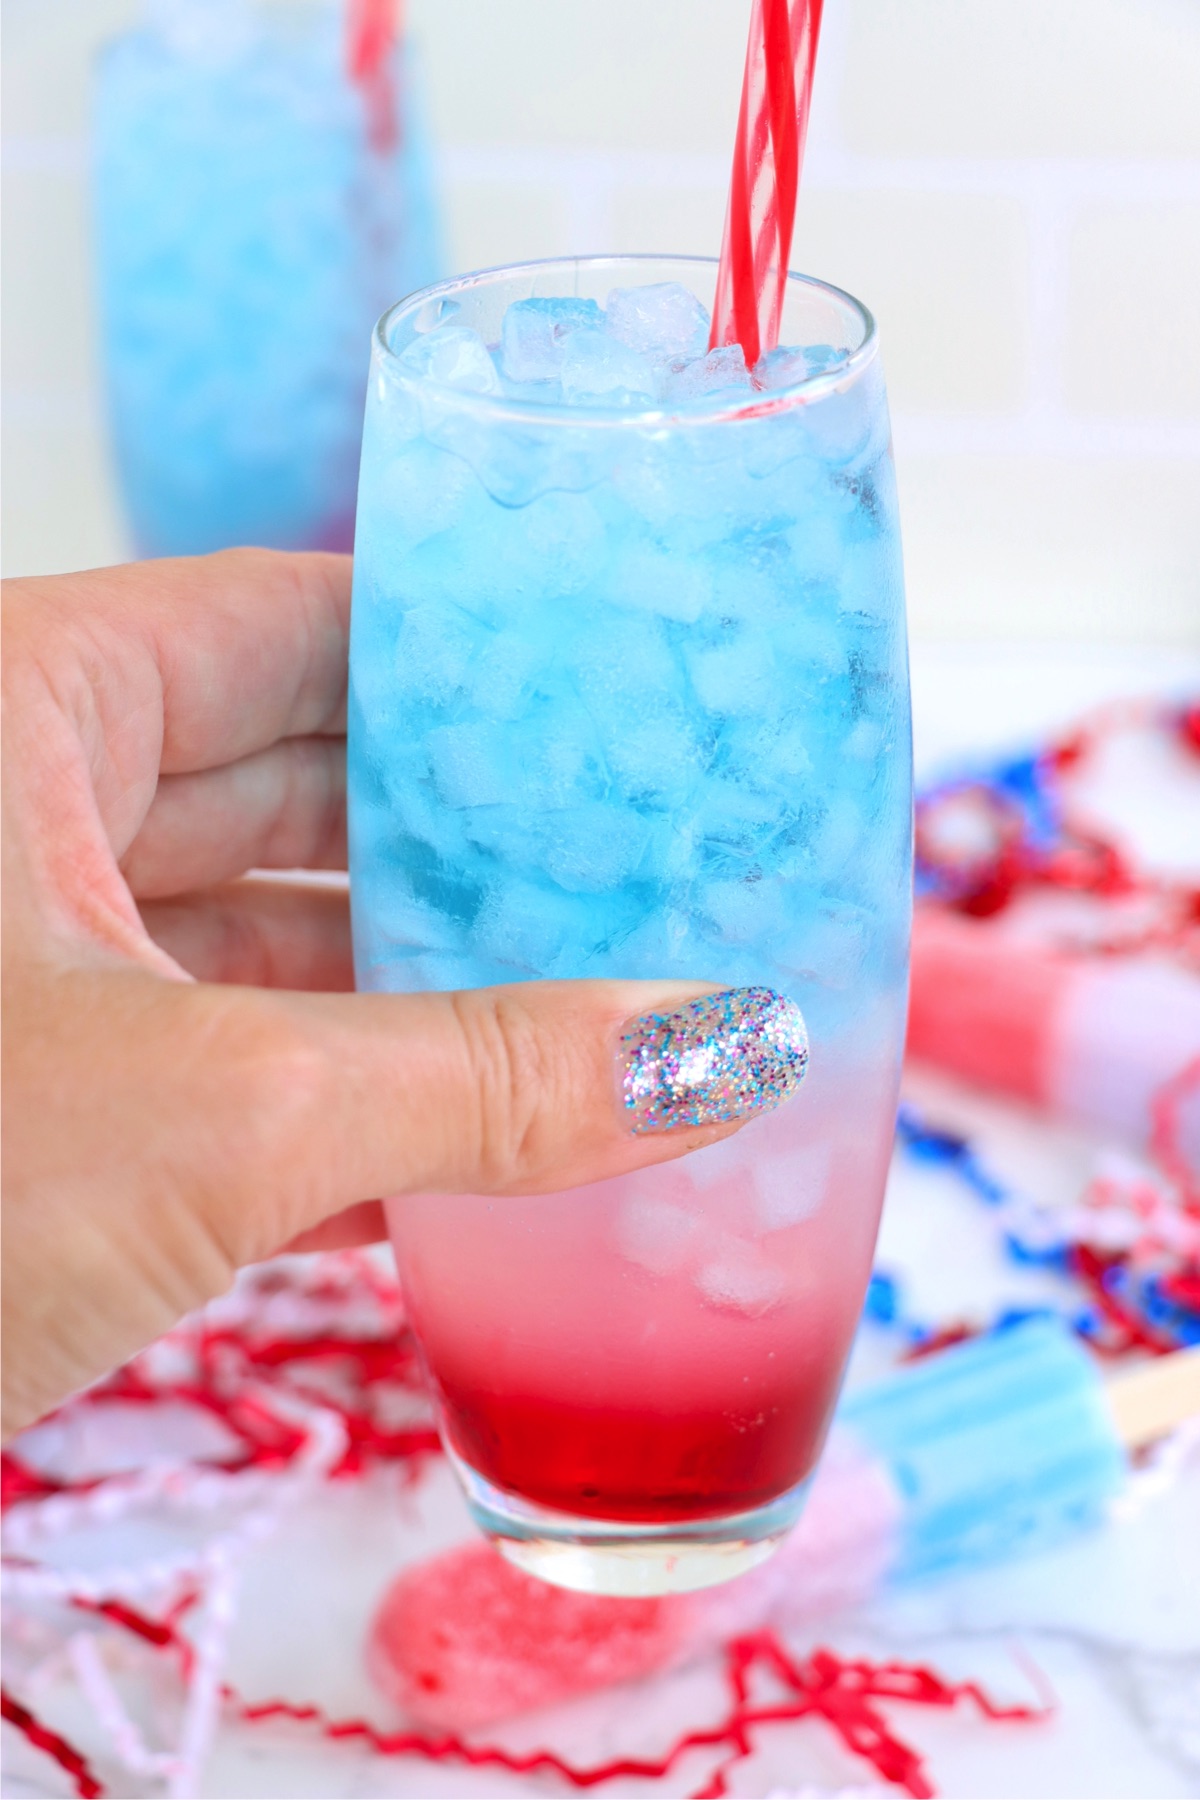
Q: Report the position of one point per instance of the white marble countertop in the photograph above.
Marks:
(1111, 1621)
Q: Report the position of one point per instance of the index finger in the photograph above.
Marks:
(244, 647)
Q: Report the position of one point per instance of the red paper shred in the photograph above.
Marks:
(942, 1339)
(1125, 1327)
(1165, 1131)
(368, 1373)
(1149, 1299)
(42, 1738)
(1189, 728)
(845, 1692)
(19, 1482)
(162, 1634)
(1010, 858)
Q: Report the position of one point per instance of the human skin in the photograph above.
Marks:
(189, 1084)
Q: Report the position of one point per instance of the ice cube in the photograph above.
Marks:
(752, 589)
(791, 1187)
(828, 947)
(525, 926)
(406, 922)
(433, 654)
(651, 753)
(593, 847)
(660, 320)
(648, 580)
(534, 333)
(721, 371)
(596, 366)
(502, 676)
(819, 357)
(864, 742)
(431, 870)
(849, 429)
(551, 762)
(740, 1280)
(773, 753)
(781, 368)
(744, 912)
(656, 1234)
(734, 678)
(735, 824)
(566, 761)
(504, 565)
(791, 761)
(566, 542)
(415, 493)
(468, 764)
(454, 356)
(720, 1163)
(681, 499)
(838, 836)
(635, 660)
(668, 940)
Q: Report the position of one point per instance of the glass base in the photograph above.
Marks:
(630, 1560)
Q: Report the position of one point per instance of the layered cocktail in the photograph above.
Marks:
(629, 698)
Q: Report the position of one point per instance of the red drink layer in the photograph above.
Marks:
(637, 1464)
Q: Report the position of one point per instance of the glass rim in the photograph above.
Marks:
(759, 403)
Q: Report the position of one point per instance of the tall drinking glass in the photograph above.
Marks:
(629, 697)
(251, 225)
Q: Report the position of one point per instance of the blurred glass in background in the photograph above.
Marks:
(256, 209)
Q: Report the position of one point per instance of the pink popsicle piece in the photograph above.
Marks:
(464, 1638)
(1090, 1040)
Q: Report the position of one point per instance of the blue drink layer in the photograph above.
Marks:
(628, 682)
(248, 237)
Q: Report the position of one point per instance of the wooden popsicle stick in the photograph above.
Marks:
(1154, 1398)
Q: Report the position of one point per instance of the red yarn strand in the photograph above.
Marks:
(42, 1738)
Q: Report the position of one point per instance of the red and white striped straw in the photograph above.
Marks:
(772, 125)
(372, 30)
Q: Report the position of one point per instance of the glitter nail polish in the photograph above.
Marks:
(723, 1057)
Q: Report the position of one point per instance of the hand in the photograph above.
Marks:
(187, 1087)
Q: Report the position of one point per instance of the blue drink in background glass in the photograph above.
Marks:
(248, 235)
(629, 697)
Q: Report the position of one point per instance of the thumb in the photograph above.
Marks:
(161, 1133)
(521, 1089)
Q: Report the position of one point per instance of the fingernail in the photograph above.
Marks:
(723, 1057)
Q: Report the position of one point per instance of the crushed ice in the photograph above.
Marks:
(649, 345)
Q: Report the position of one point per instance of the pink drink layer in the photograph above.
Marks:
(668, 1346)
